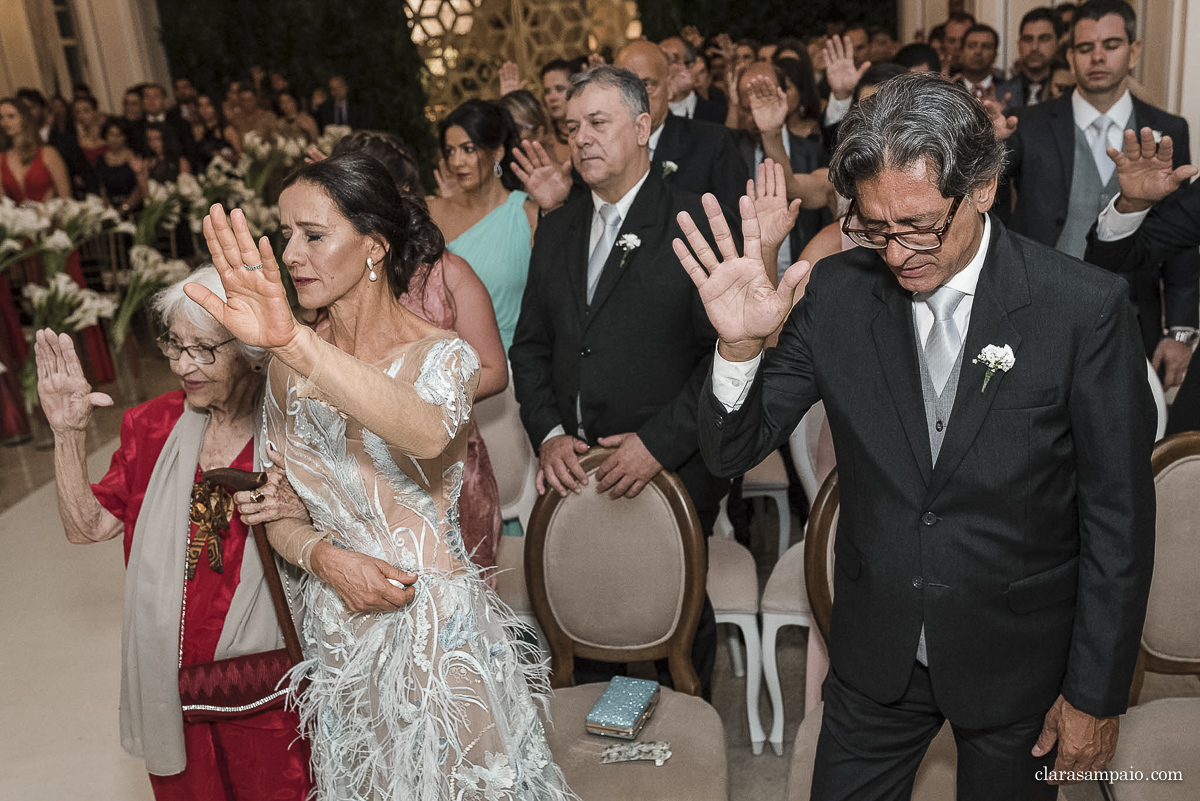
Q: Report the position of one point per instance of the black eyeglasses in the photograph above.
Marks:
(201, 354)
(929, 239)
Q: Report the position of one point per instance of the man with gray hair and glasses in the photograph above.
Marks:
(992, 427)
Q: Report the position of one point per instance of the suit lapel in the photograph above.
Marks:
(669, 143)
(1003, 287)
(1062, 127)
(641, 221)
(578, 235)
(895, 343)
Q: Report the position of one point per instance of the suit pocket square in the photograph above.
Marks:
(1025, 398)
(1044, 589)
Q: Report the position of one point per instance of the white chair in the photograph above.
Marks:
(515, 466)
(733, 590)
(1160, 400)
(784, 599)
(769, 480)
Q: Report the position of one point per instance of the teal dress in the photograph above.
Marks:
(497, 248)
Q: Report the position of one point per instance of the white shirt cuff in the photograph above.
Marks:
(732, 380)
(1112, 224)
(836, 109)
(557, 431)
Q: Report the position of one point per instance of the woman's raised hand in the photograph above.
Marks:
(743, 305)
(257, 310)
(66, 396)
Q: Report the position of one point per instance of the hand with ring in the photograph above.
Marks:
(275, 500)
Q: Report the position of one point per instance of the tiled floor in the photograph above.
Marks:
(60, 661)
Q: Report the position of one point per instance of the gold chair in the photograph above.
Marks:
(623, 581)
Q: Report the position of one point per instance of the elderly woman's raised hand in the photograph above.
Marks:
(66, 396)
(257, 310)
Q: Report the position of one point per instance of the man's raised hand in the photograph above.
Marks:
(1145, 172)
(548, 183)
(768, 103)
(743, 305)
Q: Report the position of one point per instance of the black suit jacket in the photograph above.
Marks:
(806, 156)
(357, 118)
(638, 354)
(1027, 551)
(706, 159)
(1041, 164)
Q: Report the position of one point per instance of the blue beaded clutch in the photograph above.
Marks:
(624, 708)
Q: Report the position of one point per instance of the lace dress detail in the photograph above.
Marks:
(434, 701)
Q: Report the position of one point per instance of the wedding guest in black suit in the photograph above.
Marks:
(1036, 45)
(340, 109)
(612, 344)
(685, 101)
(1063, 177)
(996, 537)
(1155, 216)
(154, 102)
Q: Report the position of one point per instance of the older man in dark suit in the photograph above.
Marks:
(991, 422)
(1063, 178)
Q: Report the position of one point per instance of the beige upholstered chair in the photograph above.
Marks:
(515, 466)
(733, 590)
(1165, 734)
(623, 581)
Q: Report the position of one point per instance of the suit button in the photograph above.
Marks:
(585, 352)
(719, 422)
(929, 518)
(918, 582)
(940, 425)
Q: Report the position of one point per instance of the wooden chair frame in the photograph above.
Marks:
(677, 649)
(816, 545)
(1185, 444)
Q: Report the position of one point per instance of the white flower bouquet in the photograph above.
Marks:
(149, 272)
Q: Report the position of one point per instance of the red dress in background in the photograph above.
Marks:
(479, 502)
(38, 187)
(258, 758)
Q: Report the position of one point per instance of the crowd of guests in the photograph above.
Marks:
(552, 248)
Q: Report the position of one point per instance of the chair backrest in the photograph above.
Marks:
(818, 553)
(617, 581)
(1170, 634)
(804, 444)
(513, 459)
(1160, 400)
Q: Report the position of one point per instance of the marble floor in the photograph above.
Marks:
(62, 619)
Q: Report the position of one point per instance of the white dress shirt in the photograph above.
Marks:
(1085, 114)
(685, 107)
(593, 239)
(654, 137)
(836, 109)
(732, 380)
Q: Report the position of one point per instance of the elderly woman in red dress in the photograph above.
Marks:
(190, 587)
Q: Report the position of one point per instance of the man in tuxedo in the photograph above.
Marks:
(996, 537)
(685, 102)
(154, 103)
(1062, 176)
(613, 344)
(1155, 216)
(338, 109)
(688, 153)
(1037, 43)
(979, 48)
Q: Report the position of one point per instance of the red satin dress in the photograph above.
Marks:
(37, 187)
(479, 502)
(259, 758)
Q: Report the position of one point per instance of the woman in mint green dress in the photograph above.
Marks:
(485, 218)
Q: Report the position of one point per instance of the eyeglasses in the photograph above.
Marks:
(201, 354)
(928, 239)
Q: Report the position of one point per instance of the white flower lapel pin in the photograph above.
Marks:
(1158, 135)
(627, 243)
(995, 358)
(669, 168)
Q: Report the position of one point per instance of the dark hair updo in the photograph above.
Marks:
(390, 151)
(489, 126)
(363, 192)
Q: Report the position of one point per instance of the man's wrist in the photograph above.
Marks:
(1127, 205)
(741, 351)
(1183, 334)
(842, 94)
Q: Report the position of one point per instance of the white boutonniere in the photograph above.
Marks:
(628, 243)
(669, 168)
(995, 358)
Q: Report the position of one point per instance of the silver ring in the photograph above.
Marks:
(255, 267)
(257, 496)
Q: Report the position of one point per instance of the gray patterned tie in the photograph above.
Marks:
(612, 224)
(1100, 148)
(941, 348)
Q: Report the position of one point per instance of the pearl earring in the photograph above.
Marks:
(372, 275)
(498, 170)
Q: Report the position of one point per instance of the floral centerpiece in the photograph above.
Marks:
(20, 228)
(71, 223)
(149, 272)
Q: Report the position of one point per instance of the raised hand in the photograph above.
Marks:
(447, 184)
(743, 305)
(66, 396)
(1003, 124)
(257, 310)
(840, 71)
(548, 183)
(768, 103)
(775, 215)
(1144, 171)
(510, 78)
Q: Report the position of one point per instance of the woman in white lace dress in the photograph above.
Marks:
(416, 689)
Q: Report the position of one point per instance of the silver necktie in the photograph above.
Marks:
(1100, 147)
(942, 346)
(612, 224)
